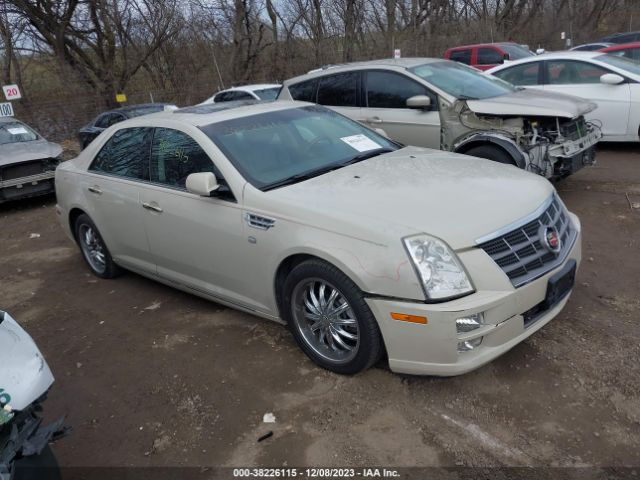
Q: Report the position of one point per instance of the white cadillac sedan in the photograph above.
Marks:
(295, 213)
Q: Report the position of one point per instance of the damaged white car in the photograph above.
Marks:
(25, 379)
(446, 105)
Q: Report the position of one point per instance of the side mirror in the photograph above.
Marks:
(419, 101)
(611, 79)
(203, 183)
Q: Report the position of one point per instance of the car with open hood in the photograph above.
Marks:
(27, 161)
(443, 104)
(295, 213)
(25, 379)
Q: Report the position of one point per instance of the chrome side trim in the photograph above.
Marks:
(259, 222)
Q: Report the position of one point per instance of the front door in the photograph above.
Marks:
(196, 241)
(385, 98)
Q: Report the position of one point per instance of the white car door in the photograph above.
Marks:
(385, 98)
(111, 188)
(196, 241)
(582, 79)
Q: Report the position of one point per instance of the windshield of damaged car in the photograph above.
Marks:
(620, 62)
(14, 132)
(287, 146)
(461, 81)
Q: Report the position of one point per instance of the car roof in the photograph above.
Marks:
(491, 44)
(129, 108)
(252, 87)
(621, 46)
(406, 63)
(206, 114)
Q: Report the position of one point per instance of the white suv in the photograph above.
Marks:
(442, 104)
(298, 214)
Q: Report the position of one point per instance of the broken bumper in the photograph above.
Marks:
(572, 155)
(39, 184)
(510, 316)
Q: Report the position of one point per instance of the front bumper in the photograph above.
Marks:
(39, 184)
(432, 348)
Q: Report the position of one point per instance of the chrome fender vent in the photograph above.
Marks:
(256, 221)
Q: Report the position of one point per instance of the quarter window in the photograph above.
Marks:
(339, 90)
(526, 74)
(126, 154)
(174, 156)
(564, 72)
(489, 56)
(390, 90)
(304, 91)
(462, 56)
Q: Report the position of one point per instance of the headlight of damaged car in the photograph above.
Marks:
(438, 267)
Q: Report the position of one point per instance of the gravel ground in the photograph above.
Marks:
(150, 376)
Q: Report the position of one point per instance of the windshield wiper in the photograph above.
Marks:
(300, 177)
(367, 155)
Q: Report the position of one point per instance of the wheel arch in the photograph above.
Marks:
(498, 141)
(74, 213)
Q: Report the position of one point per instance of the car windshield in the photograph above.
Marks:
(14, 132)
(516, 52)
(620, 62)
(274, 149)
(267, 93)
(461, 81)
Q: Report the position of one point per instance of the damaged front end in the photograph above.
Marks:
(552, 142)
(25, 379)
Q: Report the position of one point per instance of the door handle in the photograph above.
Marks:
(373, 120)
(152, 206)
(95, 189)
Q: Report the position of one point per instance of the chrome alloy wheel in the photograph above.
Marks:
(325, 320)
(92, 248)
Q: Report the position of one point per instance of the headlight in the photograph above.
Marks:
(437, 266)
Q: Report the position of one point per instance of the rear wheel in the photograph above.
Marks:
(330, 319)
(491, 152)
(94, 250)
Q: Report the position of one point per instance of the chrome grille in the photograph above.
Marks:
(261, 223)
(521, 254)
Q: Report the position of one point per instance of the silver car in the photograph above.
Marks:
(442, 104)
(27, 161)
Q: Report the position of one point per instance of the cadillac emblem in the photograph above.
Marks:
(551, 239)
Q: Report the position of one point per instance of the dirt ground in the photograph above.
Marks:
(150, 376)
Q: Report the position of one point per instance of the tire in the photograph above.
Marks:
(490, 152)
(339, 338)
(94, 251)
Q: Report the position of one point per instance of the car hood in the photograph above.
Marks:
(24, 374)
(532, 102)
(24, 151)
(455, 197)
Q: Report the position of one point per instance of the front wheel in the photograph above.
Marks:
(330, 319)
(490, 152)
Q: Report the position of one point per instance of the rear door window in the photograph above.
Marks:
(126, 154)
(462, 56)
(339, 90)
(489, 56)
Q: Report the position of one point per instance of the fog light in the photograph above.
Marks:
(469, 344)
(469, 323)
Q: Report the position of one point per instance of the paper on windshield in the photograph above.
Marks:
(360, 142)
(17, 130)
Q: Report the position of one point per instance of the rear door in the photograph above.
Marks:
(112, 186)
(385, 107)
(341, 92)
(582, 79)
